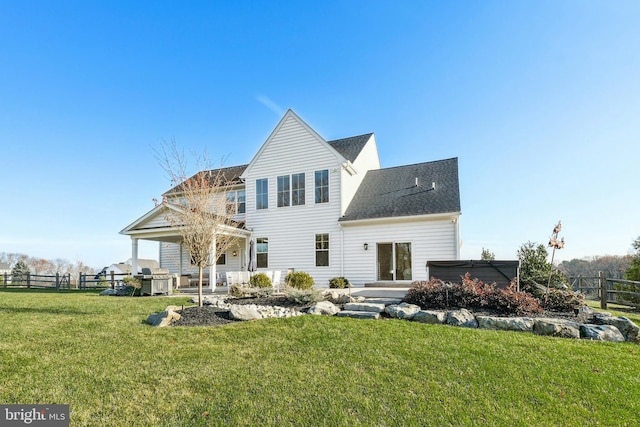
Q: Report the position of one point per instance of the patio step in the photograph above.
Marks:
(364, 306)
(359, 314)
(385, 301)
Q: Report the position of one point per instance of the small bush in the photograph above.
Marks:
(560, 300)
(303, 296)
(339, 283)
(299, 280)
(471, 294)
(240, 291)
(260, 280)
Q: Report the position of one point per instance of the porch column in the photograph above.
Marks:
(212, 268)
(134, 256)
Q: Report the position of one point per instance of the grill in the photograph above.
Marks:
(155, 282)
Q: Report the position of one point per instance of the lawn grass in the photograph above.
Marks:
(96, 354)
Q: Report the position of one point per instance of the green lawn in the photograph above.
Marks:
(96, 354)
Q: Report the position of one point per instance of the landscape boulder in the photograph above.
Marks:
(325, 308)
(244, 312)
(163, 319)
(601, 333)
(364, 306)
(402, 310)
(519, 324)
(463, 318)
(433, 317)
(556, 328)
(626, 327)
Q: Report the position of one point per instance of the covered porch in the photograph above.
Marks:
(153, 226)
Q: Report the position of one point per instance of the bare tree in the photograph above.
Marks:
(196, 207)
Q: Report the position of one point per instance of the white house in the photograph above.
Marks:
(328, 208)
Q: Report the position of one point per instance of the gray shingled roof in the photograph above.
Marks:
(350, 147)
(230, 176)
(392, 192)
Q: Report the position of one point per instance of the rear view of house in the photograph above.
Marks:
(327, 208)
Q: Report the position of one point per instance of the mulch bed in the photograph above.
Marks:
(214, 316)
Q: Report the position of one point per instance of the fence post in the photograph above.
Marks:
(580, 282)
(57, 281)
(113, 282)
(6, 277)
(80, 284)
(602, 283)
(28, 279)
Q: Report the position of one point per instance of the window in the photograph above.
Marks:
(222, 259)
(262, 252)
(236, 202)
(231, 203)
(297, 189)
(241, 199)
(262, 193)
(322, 250)
(322, 186)
(284, 191)
(291, 190)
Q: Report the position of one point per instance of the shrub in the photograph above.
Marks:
(299, 280)
(132, 285)
(473, 294)
(560, 300)
(240, 291)
(260, 280)
(339, 283)
(303, 296)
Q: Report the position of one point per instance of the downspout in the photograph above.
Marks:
(456, 224)
(341, 250)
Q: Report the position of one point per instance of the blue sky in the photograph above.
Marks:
(539, 100)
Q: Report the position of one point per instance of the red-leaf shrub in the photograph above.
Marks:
(471, 294)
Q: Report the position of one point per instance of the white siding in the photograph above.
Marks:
(430, 240)
(291, 230)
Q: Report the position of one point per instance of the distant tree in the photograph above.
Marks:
(534, 269)
(487, 255)
(197, 208)
(40, 265)
(613, 266)
(634, 270)
(19, 272)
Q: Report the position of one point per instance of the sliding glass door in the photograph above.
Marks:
(394, 261)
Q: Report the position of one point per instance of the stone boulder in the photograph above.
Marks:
(519, 324)
(601, 333)
(432, 317)
(341, 298)
(244, 312)
(163, 319)
(463, 318)
(626, 327)
(364, 306)
(402, 310)
(324, 308)
(359, 314)
(556, 328)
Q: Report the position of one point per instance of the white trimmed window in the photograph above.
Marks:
(322, 186)
(322, 250)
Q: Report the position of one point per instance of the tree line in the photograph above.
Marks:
(40, 266)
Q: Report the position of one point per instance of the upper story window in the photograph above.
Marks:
(262, 193)
(297, 189)
(322, 186)
(284, 191)
(236, 202)
(291, 190)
